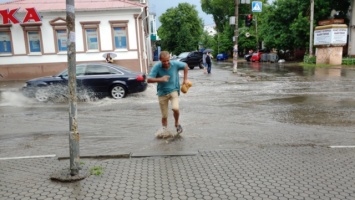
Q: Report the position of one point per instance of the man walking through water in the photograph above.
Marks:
(166, 74)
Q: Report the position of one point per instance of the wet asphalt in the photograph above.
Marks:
(263, 105)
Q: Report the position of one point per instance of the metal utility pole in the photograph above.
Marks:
(311, 30)
(236, 34)
(73, 123)
(256, 33)
(351, 43)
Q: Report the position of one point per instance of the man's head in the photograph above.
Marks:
(165, 59)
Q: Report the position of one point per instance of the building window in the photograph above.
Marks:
(120, 34)
(33, 37)
(61, 36)
(5, 43)
(91, 36)
(5, 39)
(120, 38)
(34, 41)
(91, 39)
(59, 26)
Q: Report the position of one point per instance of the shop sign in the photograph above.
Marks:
(331, 36)
(8, 16)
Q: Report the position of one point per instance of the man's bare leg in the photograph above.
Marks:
(177, 124)
(176, 116)
(164, 122)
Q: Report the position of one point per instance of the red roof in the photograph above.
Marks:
(60, 5)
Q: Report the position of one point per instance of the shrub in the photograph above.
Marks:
(309, 59)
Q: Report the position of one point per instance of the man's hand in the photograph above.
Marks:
(187, 82)
(159, 79)
(165, 78)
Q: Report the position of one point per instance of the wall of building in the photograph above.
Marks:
(21, 66)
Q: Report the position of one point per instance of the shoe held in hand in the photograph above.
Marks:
(185, 87)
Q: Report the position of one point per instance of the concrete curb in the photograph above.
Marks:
(133, 155)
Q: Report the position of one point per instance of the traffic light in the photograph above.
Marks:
(248, 20)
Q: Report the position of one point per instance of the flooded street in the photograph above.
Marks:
(263, 105)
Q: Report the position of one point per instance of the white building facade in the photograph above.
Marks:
(37, 48)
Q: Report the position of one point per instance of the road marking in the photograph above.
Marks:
(342, 146)
(24, 157)
(103, 136)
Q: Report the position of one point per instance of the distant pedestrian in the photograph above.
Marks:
(166, 74)
(109, 58)
(204, 63)
(209, 62)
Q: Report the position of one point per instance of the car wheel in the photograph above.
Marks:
(42, 95)
(191, 67)
(118, 92)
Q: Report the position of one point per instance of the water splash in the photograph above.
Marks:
(16, 99)
(9, 97)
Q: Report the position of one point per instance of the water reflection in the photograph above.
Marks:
(296, 94)
(275, 69)
(284, 68)
(328, 72)
(256, 66)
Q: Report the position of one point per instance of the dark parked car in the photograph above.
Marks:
(222, 56)
(192, 59)
(248, 56)
(93, 79)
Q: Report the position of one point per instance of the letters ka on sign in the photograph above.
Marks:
(8, 16)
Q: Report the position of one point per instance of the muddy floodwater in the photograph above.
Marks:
(263, 105)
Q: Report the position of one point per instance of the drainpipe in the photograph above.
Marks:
(145, 51)
(139, 40)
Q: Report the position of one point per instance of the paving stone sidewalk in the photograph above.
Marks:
(251, 173)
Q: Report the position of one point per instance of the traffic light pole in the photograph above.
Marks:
(256, 33)
(236, 34)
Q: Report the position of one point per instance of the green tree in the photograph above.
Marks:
(222, 10)
(207, 41)
(180, 29)
(246, 43)
(224, 42)
(282, 25)
(285, 23)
